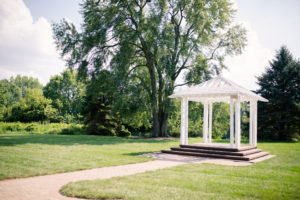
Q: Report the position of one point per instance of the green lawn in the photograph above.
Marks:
(32, 155)
(276, 178)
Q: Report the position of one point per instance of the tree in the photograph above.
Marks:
(98, 104)
(280, 118)
(13, 89)
(33, 107)
(153, 42)
(10, 93)
(25, 82)
(67, 95)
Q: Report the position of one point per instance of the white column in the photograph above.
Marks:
(205, 120)
(231, 123)
(184, 121)
(186, 141)
(254, 123)
(210, 122)
(251, 124)
(238, 123)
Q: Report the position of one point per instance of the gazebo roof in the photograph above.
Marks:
(217, 89)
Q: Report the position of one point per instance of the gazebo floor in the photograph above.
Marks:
(218, 150)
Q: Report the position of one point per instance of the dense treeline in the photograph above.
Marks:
(66, 98)
(24, 99)
(97, 104)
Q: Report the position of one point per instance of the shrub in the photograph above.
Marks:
(123, 132)
(41, 128)
(72, 130)
(174, 134)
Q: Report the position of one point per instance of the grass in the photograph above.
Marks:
(32, 155)
(276, 178)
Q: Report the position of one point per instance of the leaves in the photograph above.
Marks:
(280, 84)
(33, 107)
(67, 95)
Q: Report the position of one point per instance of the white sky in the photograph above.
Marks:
(27, 46)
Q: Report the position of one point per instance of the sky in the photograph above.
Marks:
(27, 46)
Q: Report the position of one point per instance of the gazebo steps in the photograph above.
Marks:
(234, 153)
(246, 153)
(221, 148)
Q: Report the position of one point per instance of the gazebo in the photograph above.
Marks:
(219, 89)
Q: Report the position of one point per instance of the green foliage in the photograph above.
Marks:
(174, 120)
(67, 95)
(10, 93)
(99, 118)
(41, 128)
(149, 44)
(220, 123)
(33, 107)
(279, 119)
(221, 120)
(73, 129)
(12, 90)
(25, 82)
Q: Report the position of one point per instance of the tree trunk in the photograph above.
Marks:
(163, 125)
(153, 97)
(155, 120)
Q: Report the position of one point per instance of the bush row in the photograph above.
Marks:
(58, 129)
(41, 128)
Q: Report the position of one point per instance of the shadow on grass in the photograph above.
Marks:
(66, 140)
(137, 153)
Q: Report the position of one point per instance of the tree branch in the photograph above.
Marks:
(135, 68)
(184, 84)
(144, 84)
(214, 51)
(109, 46)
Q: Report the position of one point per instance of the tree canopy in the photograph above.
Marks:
(13, 89)
(152, 43)
(280, 84)
(67, 95)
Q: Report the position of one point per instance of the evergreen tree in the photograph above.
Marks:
(98, 105)
(280, 118)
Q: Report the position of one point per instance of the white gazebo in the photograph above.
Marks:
(219, 89)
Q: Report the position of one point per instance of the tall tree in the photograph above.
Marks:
(153, 42)
(67, 95)
(280, 84)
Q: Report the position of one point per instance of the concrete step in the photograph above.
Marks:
(257, 155)
(212, 151)
(235, 157)
(220, 148)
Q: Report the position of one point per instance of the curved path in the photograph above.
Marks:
(47, 187)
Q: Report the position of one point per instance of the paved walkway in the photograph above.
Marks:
(47, 187)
